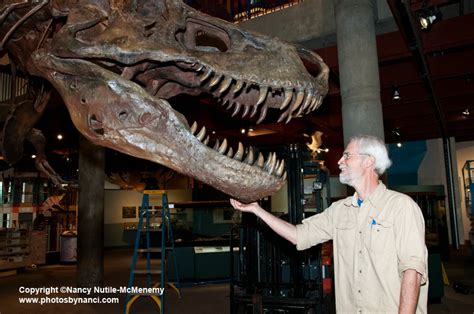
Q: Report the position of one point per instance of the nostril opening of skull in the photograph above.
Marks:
(148, 31)
(96, 125)
(83, 100)
(122, 115)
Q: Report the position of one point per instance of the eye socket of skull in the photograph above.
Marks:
(202, 36)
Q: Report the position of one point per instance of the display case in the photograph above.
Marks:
(14, 249)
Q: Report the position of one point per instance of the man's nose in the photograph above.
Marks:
(341, 160)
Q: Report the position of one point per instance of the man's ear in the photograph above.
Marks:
(369, 162)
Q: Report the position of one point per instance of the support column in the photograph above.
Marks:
(358, 68)
(90, 241)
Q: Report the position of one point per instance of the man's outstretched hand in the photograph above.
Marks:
(249, 208)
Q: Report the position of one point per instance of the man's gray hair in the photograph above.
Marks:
(374, 146)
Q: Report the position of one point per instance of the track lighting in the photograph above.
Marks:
(466, 112)
(428, 16)
(396, 94)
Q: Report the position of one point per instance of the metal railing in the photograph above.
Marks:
(240, 10)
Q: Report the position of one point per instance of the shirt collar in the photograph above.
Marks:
(373, 198)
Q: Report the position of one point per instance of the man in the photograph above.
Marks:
(380, 256)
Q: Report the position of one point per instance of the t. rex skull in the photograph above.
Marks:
(114, 64)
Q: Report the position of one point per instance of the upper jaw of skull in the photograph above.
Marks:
(249, 73)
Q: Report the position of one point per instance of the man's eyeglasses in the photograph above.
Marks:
(347, 155)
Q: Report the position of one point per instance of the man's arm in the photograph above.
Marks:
(281, 227)
(410, 290)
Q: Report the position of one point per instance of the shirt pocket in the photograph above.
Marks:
(345, 234)
(380, 236)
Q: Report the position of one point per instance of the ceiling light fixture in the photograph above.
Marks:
(428, 16)
(466, 112)
(242, 131)
(399, 144)
(33, 156)
(396, 94)
(396, 132)
(60, 136)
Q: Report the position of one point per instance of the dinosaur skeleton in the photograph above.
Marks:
(116, 62)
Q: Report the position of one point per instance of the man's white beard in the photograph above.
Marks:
(345, 179)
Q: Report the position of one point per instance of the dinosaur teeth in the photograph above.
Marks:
(308, 100)
(263, 113)
(254, 111)
(238, 86)
(223, 147)
(282, 116)
(206, 141)
(313, 101)
(205, 76)
(260, 161)
(298, 101)
(236, 109)
(201, 67)
(194, 128)
(318, 102)
(225, 84)
(277, 165)
(263, 95)
(272, 164)
(249, 158)
(280, 168)
(283, 178)
(201, 133)
(287, 100)
(240, 152)
(246, 110)
(230, 153)
(215, 80)
(216, 145)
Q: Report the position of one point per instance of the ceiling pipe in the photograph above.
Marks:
(402, 13)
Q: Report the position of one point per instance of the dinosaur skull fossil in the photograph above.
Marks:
(115, 63)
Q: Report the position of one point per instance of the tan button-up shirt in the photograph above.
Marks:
(373, 245)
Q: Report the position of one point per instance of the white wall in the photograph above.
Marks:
(432, 170)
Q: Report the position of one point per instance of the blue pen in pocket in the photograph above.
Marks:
(373, 223)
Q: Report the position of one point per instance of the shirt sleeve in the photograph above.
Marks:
(410, 239)
(314, 230)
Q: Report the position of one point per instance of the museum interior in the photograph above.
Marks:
(115, 196)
